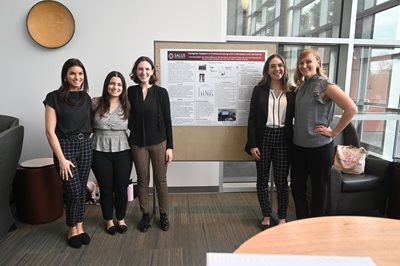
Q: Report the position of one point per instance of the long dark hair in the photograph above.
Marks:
(266, 79)
(103, 105)
(64, 88)
(133, 76)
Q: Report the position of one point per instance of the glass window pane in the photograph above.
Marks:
(374, 81)
(318, 18)
(371, 133)
(377, 22)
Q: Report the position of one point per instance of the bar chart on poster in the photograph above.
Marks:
(210, 86)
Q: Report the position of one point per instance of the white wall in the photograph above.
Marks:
(109, 35)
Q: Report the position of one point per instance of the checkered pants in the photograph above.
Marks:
(273, 149)
(79, 152)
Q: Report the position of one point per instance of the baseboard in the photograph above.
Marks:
(193, 189)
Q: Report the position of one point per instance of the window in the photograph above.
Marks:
(318, 18)
(377, 21)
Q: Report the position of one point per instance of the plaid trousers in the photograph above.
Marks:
(274, 149)
(79, 152)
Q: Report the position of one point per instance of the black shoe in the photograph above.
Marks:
(112, 230)
(164, 223)
(122, 228)
(264, 226)
(85, 238)
(75, 242)
(144, 223)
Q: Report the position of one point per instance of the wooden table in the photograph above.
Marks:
(378, 238)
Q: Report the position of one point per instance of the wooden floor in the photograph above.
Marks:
(200, 223)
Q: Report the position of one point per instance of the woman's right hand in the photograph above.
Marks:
(255, 152)
(65, 169)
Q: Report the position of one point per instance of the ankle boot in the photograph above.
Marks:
(144, 223)
(164, 223)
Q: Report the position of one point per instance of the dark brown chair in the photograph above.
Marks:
(364, 194)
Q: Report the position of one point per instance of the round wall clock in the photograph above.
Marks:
(50, 24)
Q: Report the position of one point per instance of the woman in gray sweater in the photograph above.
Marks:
(112, 161)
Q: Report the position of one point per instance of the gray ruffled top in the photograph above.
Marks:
(312, 110)
(110, 131)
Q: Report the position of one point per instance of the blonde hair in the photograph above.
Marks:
(298, 77)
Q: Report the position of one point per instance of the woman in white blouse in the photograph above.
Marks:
(112, 160)
(269, 135)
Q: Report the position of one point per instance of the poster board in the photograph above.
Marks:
(208, 142)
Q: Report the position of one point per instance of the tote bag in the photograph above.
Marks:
(350, 159)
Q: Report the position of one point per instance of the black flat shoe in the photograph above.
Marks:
(112, 230)
(144, 224)
(75, 242)
(122, 228)
(264, 226)
(85, 238)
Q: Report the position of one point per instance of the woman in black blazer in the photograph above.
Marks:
(269, 134)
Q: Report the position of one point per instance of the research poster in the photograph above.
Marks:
(210, 87)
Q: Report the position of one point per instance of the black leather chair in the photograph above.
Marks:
(364, 194)
(11, 139)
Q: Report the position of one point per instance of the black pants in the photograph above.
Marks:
(112, 171)
(315, 163)
(274, 148)
(79, 152)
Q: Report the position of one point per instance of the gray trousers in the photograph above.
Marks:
(142, 156)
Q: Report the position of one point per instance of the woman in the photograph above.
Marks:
(269, 134)
(151, 138)
(313, 138)
(68, 127)
(112, 160)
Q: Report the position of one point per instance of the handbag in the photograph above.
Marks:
(350, 159)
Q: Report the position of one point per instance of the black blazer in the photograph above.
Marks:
(259, 113)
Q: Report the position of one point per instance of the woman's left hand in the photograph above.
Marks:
(168, 155)
(323, 130)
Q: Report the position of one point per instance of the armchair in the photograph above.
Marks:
(364, 194)
(7, 122)
(10, 150)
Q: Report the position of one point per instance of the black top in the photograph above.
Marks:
(258, 116)
(71, 119)
(150, 119)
